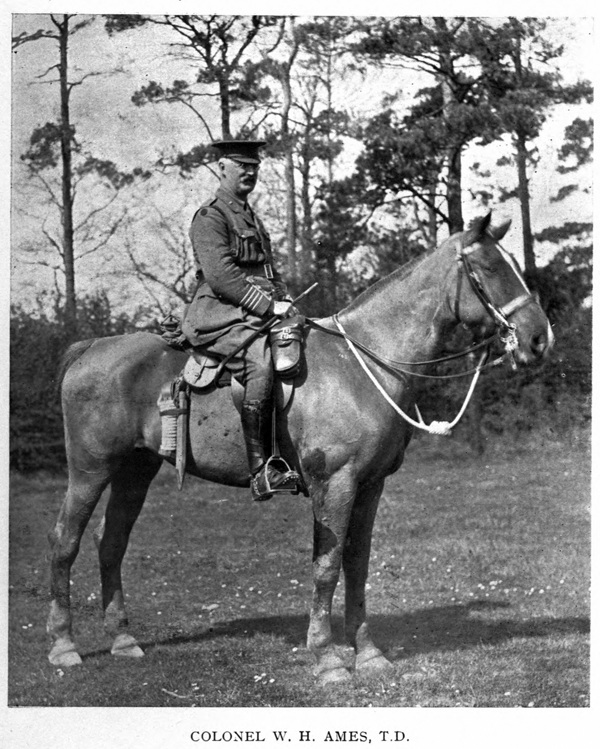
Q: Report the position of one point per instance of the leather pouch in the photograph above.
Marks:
(286, 339)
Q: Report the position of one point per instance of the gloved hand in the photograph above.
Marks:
(283, 309)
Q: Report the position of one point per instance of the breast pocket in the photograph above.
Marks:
(248, 247)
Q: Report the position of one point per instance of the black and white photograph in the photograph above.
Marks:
(298, 375)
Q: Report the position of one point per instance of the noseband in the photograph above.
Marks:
(500, 315)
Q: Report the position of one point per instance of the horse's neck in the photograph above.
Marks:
(402, 317)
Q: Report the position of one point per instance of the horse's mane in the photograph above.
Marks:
(399, 274)
(71, 355)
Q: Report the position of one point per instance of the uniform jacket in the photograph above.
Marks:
(237, 280)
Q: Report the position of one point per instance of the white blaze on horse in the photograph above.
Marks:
(339, 430)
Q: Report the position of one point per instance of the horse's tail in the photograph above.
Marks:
(71, 355)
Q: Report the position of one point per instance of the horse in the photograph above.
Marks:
(344, 437)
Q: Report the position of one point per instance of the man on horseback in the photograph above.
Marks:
(239, 289)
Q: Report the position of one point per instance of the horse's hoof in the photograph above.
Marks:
(126, 647)
(65, 655)
(334, 676)
(373, 664)
(413, 676)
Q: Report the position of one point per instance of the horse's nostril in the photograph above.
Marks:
(539, 343)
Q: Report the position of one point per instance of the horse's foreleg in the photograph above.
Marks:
(83, 493)
(331, 510)
(128, 492)
(356, 566)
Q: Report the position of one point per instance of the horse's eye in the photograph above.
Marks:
(491, 268)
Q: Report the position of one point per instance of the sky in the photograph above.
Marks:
(133, 137)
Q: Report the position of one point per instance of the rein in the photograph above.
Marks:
(395, 366)
(441, 428)
(505, 331)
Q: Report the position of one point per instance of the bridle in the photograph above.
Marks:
(505, 331)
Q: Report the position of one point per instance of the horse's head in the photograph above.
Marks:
(491, 294)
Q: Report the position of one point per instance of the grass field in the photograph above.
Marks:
(478, 593)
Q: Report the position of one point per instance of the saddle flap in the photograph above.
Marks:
(200, 370)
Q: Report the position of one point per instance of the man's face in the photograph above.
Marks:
(237, 177)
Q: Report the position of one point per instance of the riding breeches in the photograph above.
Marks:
(252, 366)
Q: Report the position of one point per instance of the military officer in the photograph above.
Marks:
(239, 289)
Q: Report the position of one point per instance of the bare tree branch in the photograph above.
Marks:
(44, 263)
(25, 38)
(52, 241)
(148, 277)
(104, 240)
(92, 74)
(95, 212)
(45, 73)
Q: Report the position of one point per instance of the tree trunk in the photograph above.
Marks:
(521, 154)
(528, 252)
(308, 267)
(453, 159)
(67, 181)
(454, 191)
(306, 205)
(225, 107)
(290, 214)
(432, 217)
(291, 229)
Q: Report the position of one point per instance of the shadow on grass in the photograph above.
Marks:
(445, 628)
(457, 628)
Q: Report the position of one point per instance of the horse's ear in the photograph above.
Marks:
(481, 225)
(477, 229)
(497, 232)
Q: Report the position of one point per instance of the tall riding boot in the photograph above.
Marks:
(255, 415)
(264, 478)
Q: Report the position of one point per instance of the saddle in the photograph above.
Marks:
(285, 338)
(203, 372)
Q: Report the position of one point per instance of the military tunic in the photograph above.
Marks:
(237, 280)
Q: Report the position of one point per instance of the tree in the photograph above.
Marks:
(331, 231)
(575, 152)
(167, 277)
(523, 83)
(310, 139)
(410, 156)
(217, 47)
(40, 155)
(54, 146)
(565, 283)
(285, 142)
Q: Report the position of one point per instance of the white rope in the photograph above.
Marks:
(441, 428)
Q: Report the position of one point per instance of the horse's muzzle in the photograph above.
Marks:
(536, 346)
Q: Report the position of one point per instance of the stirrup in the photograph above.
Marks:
(275, 477)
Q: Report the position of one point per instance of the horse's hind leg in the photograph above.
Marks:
(356, 566)
(129, 487)
(83, 493)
